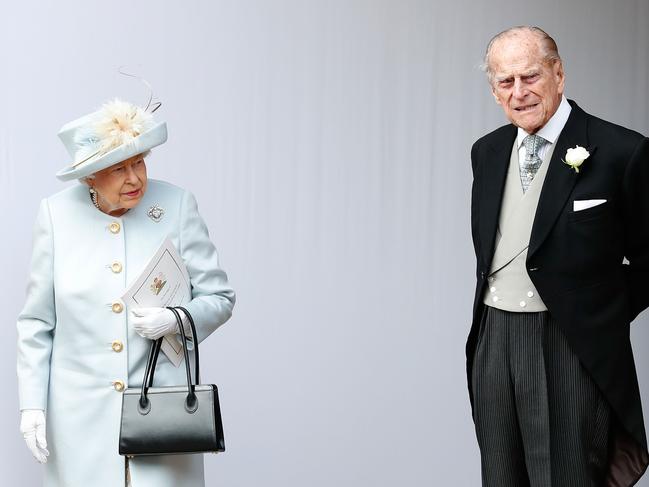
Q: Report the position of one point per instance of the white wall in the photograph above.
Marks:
(328, 145)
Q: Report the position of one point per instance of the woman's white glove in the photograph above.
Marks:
(32, 426)
(153, 323)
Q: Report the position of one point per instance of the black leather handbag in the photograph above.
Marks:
(172, 419)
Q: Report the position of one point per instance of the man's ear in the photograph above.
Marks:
(557, 71)
(495, 95)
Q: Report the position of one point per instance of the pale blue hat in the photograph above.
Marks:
(112, 134)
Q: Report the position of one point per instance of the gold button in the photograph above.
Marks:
(117, 346)
(116, 267)
(117, 307)
(119, 385)
(114, 227)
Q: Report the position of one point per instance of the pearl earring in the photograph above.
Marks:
(93, 196)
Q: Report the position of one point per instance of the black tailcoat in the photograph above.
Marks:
(575, 259)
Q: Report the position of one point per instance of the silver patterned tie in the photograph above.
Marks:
(530, 166)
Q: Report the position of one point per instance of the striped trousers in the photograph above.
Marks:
(540, 419)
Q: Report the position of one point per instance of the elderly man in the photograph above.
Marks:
(560, 224)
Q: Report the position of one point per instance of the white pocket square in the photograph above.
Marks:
(579, 205)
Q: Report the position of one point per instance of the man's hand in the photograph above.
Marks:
(32, 426)
(153, 323)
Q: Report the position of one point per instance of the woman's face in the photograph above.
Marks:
(120, 187)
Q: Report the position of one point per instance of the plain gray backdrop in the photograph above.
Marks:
(327, 143)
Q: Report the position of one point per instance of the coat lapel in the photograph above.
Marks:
(495, 174)
(560, 179)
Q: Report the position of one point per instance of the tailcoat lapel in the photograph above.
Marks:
(493, 180)
(560, 179)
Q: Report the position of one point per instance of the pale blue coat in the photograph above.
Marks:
(66, 362)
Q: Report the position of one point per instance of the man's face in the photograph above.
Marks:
(527, 87)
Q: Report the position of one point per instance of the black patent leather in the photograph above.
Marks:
(173, 419)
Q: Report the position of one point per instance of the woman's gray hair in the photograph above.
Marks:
(92, 176)
(547, 43)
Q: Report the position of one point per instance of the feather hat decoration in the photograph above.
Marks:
(115, 132)
(116, 123)
(119, 122)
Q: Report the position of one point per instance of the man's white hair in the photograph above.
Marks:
(547, 44)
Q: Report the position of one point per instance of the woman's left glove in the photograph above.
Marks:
(153, 323)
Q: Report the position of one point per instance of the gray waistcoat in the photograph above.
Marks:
(509, 286)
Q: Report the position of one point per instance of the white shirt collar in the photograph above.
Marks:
(551, 130)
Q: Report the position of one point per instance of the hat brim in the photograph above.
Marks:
(151, 138)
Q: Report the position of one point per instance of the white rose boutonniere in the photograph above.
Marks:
(575, 157)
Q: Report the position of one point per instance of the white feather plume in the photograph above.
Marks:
(116, 123)
(119, 122)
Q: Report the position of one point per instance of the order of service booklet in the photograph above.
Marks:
(163, 282)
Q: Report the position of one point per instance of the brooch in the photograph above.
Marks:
(155, 213)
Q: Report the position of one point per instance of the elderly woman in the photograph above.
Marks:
(78, 348)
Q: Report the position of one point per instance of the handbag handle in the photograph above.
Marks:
(153, 354)
(197, 374)
(191, 403)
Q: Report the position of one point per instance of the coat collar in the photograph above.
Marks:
(560, 179)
